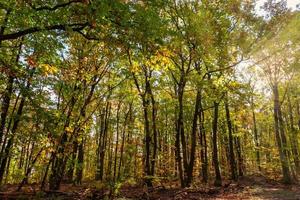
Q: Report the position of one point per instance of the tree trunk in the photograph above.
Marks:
(102, 142)
(280, 137)
(180, 130)
(239, 156)
(5, 105)
(255, 135)
(59, 157)
(193, 139)
(129, 113)
(79, 168)
(70, 171)
(9, 145)
(147, 142)
(28, 171)
(178, 155)
(294, 137)
(218, 178)
(230, 142)
(154, 131)
(117, 141)
(203, 143)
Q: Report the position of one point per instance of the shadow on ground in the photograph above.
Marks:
(254, 188)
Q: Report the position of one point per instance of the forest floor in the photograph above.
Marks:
(254, 187)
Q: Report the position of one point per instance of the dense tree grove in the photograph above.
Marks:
(119, 91)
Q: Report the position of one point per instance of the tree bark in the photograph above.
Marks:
(257, 152)
(218, 178)
(294, 137)
(193, 140)
(280, 137)
(117, 141)
(5, 105)
(230, 142)
(102, 141)
(17, 119)
(79, 168)
(72, 161)
(203, 144)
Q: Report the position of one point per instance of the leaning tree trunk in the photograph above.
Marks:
(5, 105)
(59, 157)
(17, 118)
(9, 90)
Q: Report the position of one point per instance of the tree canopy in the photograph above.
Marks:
(122, 92)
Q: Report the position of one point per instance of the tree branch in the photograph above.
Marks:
(55, 7)
(75, 27)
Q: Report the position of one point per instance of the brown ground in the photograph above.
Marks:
(256, 188)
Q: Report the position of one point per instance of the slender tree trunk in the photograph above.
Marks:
(193, 139)
(280, 137)
(129, 113)
(9, 145)
(147, 142)
(70, 171)
(109, 169)
(28, 171)
(79, 168)
(203, 143)
(154, 130)
(117, 141)
(8, 91)
(99, 135)
(180, 130)
(31, 145)
(239, 156)
(22, 157)
(218, 179)
(129, 139)
(43, 183)
(230, 142)
(255, 135)
(102, 141)
(298, 113)
(59, 157)
(5, 105)
(58, 165)
(294, 137)
(178, 167)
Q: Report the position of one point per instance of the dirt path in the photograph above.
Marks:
(260, 188)
(256, 188)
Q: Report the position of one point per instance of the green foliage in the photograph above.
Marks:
(93, 72)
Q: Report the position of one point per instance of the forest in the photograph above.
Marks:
(149, 99)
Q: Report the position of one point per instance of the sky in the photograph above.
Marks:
(291, 4)
(242, 68)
